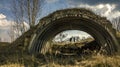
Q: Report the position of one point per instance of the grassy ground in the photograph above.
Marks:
(55, 59)
(94, 61)
(59, 60)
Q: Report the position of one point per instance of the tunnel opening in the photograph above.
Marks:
(71, 42)
(101, 36)
(69, 19)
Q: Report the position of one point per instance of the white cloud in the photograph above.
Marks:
(51, 1)
(26, 26)
(106, 10)
(5, 28)
(2, 16)
(4, 23)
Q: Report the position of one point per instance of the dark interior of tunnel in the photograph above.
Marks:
(84, 46)
(99, 34)
(83, 25)
(71, 52)
(88, 48)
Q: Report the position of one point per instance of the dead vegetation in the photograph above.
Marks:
(18, 58)
(93, 61)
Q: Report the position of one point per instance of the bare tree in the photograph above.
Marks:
(116, 23)
(25, 11)
(33, 9)
(18, 14)
(11, 33)
(0, 39)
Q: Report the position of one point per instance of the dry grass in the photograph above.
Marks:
(94, 61)
(12, 65)
(68, 61)
(118, 34)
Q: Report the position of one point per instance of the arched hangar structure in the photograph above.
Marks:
(75, 19)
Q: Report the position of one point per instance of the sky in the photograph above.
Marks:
(106, 8)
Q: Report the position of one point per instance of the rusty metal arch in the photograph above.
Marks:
(81, 19)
